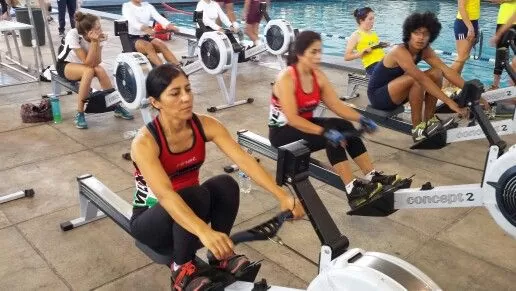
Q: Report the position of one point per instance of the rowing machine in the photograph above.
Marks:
(392, 120)
(496, 192)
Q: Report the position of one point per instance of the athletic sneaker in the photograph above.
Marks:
(418, 133)
(80, 120)
(233, 264)
(121, 112)
(435, 123)
(186, 279)
(379, 177)
(362, 192)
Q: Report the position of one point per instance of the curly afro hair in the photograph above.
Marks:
(418, 20)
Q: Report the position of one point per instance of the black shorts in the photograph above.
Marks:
(381, 99)
(134, 38)
(60, 67)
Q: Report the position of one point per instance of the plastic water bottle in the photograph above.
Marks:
(244, 182)
(56, 109)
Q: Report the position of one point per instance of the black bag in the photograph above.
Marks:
(31, 113)
(97, 102)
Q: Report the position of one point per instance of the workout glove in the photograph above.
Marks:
(334, 137)
(368, 125)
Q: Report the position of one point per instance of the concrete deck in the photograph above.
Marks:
(461, 249)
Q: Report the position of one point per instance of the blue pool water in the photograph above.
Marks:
(335, 17)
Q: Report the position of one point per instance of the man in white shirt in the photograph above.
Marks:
(139, 15)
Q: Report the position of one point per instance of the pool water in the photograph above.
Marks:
(335, 17)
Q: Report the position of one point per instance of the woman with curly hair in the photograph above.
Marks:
(397, 79)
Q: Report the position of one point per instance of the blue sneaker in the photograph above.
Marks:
(121, 112)
(80, 120)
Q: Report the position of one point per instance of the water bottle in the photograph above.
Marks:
(56, 109)
(244, 182)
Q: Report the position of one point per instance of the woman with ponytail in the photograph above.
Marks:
(364, 42)
(297, 91)
(80, 61)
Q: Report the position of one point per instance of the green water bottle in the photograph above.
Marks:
(56, 109)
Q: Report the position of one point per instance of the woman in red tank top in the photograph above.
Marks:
(297, 92)
(172, 212)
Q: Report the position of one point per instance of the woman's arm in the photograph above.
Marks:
(434, 61)
(156, 16)
(223, 17)
(332, 101)
(217, 133)
(405, 60)
(350, 53)
(285, 91)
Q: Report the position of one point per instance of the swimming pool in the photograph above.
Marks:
(335, 17)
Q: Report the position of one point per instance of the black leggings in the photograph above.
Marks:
(498, 69)
(287, 134)
(215, 201)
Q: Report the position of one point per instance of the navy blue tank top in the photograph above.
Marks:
(382, 75)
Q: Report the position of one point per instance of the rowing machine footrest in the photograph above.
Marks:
(249, 273)
(380, 207)
(435, 141)
(385, 113)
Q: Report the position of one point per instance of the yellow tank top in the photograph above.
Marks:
(505, 12)
(368, 40)
(473, 10)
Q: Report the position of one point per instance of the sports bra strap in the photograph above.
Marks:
(151, 126)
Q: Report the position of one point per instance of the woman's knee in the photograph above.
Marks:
(339, 124)
(99, 70)
(198, 199)
(224, 184)
(224, 190)
(145, 47)
(435, 74)
(159, 45)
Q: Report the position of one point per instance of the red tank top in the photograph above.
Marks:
(182, 168)
(306, 102)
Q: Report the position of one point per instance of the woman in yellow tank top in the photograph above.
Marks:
(466, 32)
(364, 42)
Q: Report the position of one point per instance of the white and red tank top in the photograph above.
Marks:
(182, 168)
(306, 102)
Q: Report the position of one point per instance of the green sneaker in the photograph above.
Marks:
(121, 112)
(80, 120)
(363, 192)
(418, 133)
